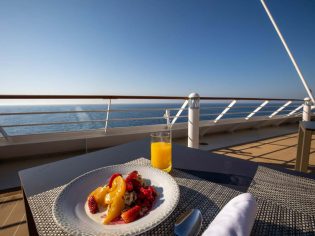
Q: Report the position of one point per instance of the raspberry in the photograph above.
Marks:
(132, 175)
(140, 196)
(136, 184)
(152, 189)
(129, 186)
(93, 207)
(149, 193)
(147, 203)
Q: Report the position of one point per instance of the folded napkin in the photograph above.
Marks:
(235, 219)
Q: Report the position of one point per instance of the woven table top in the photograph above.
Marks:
(285, 203)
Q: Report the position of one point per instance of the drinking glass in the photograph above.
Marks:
(161, 150)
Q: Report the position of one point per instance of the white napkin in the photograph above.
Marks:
(235, 219)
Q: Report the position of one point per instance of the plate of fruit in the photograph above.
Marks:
(116, 200)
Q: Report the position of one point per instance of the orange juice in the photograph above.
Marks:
(161, 155)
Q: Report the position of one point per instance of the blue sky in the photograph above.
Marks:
(145, 47)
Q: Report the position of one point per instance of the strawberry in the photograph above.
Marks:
(92, 204)
(132, 214)
(112, 179)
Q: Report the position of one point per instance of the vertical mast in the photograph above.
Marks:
(308, 90)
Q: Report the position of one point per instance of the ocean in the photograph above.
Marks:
(208, 111)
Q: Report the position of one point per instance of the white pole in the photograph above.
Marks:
(280, 109)
(308, 90)
(179, 112)
(225, 111)
(307, 109)
(107, 115)
(167, 117)
(4, 134)
(193, 120)
(295, 110)
(257, 109)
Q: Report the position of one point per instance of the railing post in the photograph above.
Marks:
(307, 109)
(193, 120)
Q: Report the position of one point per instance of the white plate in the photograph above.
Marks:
(70, 215)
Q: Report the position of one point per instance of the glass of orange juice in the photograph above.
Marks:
(161, 150)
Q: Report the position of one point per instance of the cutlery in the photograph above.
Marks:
(189, 223)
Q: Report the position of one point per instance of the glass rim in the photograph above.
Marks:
(161, 134)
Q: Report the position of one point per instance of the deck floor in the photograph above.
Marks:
(12, 215)
(278, 151)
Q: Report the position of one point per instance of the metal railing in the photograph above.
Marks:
(236, 107)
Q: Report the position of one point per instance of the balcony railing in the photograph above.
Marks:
(212, 109)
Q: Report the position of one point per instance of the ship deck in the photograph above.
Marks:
(278, 151)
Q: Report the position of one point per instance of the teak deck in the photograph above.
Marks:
(277, 151)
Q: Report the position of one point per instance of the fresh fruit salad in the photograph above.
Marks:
(122, 200)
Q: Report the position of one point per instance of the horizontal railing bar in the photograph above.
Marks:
(85, 111)
(263, 111)
(238, 113)
(48, 112)
(273, 111)
(145, 109)
(184, 116)
(13, 96)
(137, 118)
(85, 121)
(52, 123)
(285, 110)
(267, 106)
(88, 97)
(235, 107)
(231, 108)
(228, 113)
(212, 108)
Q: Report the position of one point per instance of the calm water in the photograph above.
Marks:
(209, 111)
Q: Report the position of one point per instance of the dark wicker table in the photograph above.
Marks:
(285, 198)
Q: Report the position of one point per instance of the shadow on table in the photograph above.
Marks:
(283, 169)
(225, 170)
(233, 172)
(236, 182)
(265, 228)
